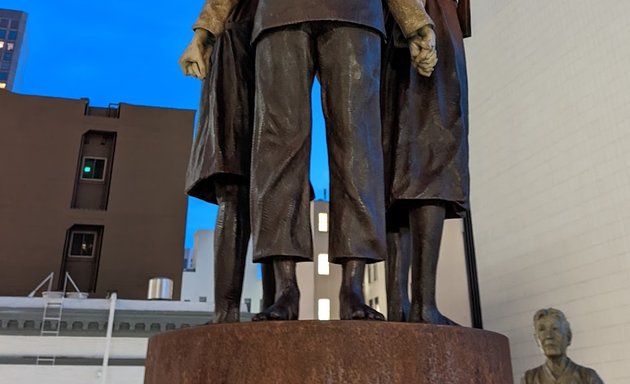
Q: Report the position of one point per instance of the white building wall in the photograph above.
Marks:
(200, 283)
(69, 374)
(550, 142)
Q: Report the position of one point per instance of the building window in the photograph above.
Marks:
(82, 244)
(323, 267)
(5, 66)
(374, 303)
(3, 34)
(3, 85)
(322, 222)
(7, 56)
(4, 23)
(12, 35)
(15, 24)
(1, 44)
(189, 260)
(93, 168)
(4, 76)
(10, 46)
(323, 309)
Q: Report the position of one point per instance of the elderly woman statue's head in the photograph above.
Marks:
(552, 332)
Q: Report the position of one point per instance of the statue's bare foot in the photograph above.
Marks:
(231, 314)
(429, 316)
(286, 307)
(352, 307)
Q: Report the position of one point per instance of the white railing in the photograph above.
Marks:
(48, 280)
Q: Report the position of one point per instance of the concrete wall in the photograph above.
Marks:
(145, 219)
(68, 374)
(71, 347)
(550, 139)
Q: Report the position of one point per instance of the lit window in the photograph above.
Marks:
(82, 244)
(1, 44)
(322, 222)
(323, 309)
(93, 168)
(10, 46)
(323, 268)
(3, 85)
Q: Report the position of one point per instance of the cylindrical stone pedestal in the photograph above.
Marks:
(316, 352)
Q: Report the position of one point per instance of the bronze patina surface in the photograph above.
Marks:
(339, 42)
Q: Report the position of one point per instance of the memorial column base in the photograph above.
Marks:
(315, 352)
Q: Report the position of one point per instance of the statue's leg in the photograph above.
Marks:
(349, 72)
(351, 301)
(426, 222)
(287, 303)
(268, 285)
(279, 199)
(397, 269)
(231, 237)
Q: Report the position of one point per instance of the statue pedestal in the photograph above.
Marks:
(309, 352)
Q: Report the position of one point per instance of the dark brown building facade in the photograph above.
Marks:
(12, 38)
(96, 192)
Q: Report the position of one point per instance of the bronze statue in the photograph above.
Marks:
(553, 335)
(425, 142)
(218, 171)
(339, 41)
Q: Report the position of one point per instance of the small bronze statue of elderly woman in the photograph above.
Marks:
(553, 335)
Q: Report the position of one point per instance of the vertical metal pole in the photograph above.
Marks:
(108, 340)
(471, 269)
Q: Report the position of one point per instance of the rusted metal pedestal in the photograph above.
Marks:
(309, 352)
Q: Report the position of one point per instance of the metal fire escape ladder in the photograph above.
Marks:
(51, 319)
(53, 310)
(51, 325)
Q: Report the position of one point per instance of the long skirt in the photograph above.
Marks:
(425, 120)
(222, 144)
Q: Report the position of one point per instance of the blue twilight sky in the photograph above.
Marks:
(114, 51)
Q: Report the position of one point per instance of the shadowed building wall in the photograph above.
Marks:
(97, 192)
